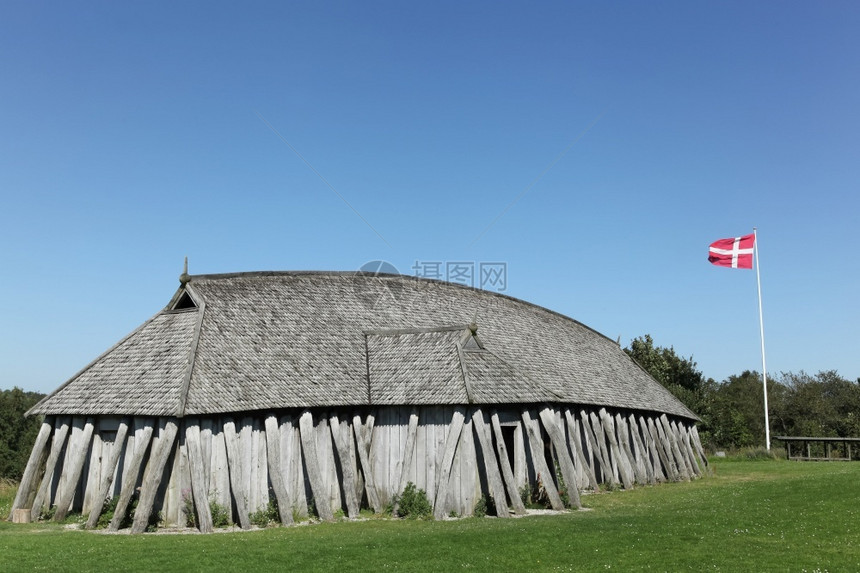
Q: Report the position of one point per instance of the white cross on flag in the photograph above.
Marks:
(736, 253)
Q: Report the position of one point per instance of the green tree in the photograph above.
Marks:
(17, 433)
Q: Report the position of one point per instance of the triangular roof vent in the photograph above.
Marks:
(185, 301)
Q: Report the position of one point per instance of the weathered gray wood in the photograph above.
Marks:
(592, 423)
(248, 469)
(291, 462)
(77, 456)
(543, 474)
(206, 425)
(30, 480)
(408, 453)
(694, 433)
(556, 437)
(470, 479)
(42, 498)
(521, 473)
(92, 469)
(618, 457)
(129, 480)
(653, 455)
(640, 450)
(685, 447)
(451, 441)
(663, 451)
(624, 442)
(219, 481)
(276, 475)
(152, 476)
(107, 481)
(309, 450)
(234, 461)
(505, 465)
(338, 435)
(328, 469)
(260, 459)
(491, 464)
(576, 446)
(363, 448)
(199, 484)
(669, 437)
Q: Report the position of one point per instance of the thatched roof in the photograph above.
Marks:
(260, 341)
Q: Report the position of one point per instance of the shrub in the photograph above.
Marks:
(413, 503)
(269, 514)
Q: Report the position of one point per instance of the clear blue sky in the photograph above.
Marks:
(134, 134)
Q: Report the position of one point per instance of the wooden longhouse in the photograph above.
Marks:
(331, 391)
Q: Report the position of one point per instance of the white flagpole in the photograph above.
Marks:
(761, 329)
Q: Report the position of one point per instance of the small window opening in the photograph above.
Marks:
(185, 301)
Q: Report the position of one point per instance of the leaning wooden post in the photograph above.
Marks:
(129, 480)
(77, 457)
(673, 444)
(234, 462)
(494, 476)
(199, 483)
(37, 456)
(641, 450)
(568, 472)
(576, 445)
(152, 476)
(624, 442)
(276, 475)
(505, 463)
(342, 448)
(59, 440)
(104, 486)
(309, 449)
(609, 468)
(541, 469)
(408, 453)
(451, 441)
(621, 460)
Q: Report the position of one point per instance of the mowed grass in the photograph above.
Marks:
(746, 516)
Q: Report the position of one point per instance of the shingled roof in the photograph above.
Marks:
(266, 340)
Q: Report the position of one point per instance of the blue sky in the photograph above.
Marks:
(605, 145)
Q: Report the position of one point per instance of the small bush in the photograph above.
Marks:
(267, 515)
(481, 507)
(413, 503)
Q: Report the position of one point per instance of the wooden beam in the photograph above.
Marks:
(29, 481)
(451, 441)
(322, 500)
(663, 450)
(505, 464)
(199, 484)
(576, 446)
(694, 432)
(623, 463)
(408, 454)
(234, 461)
(491, 465)
(640, 450)
(624, 441)
(609, 471)
(556, 437)
(348, 481)
(79, 445)
(276, 475)
(152, 476)
(665, 431)
(542, 471)
(107, 482)
(132, 471)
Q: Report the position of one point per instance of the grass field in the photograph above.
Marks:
(747, 516)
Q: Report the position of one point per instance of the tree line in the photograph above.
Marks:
(732, 411)
(17, 433)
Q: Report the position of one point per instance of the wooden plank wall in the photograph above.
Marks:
(331, 463)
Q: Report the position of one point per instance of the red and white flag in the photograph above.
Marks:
(736, 253)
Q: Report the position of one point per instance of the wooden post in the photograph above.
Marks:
(556, 437)
(129, 480)
(669, 438)
(152, 476)
(640, 450)
(29, 480)
(624, 441)
(234, 461)
(664, 450)
(576, 446)
(608, 469)
(507, 470)
(199, 484)
(322, 499)
(276, 475)
(408, 454)
(340, 444)
(77, 456)
(652, 456)
(615, 451)
(494, 476)
(453, 437)
(107, 482)
(694, 433)
(541, 469)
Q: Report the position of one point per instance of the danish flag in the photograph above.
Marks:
(736, 253)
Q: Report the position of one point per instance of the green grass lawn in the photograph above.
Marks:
(747, 516)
